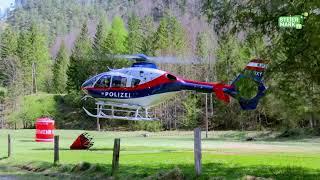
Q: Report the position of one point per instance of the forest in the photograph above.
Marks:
(50, 47)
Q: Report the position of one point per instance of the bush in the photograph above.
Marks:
(3, 93)
(35, 106)
(299, 133)
(152, 126)
(174, 174)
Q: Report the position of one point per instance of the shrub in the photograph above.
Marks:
(152, 126)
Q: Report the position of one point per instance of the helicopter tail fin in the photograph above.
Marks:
(248, 87)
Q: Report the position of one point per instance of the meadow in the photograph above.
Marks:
(226, 155)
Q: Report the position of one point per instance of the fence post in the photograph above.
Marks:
(197, 151)
(56, 150)
(116, 153)
(9, 145)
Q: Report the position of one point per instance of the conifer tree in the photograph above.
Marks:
(40, 57)
(202, 49)
(115, 43)
(9, 42)
(148, 30)
(177, 36)
(79, 68)
(161, 39)
(135, 38)
(170, 36)
(100, 36)
(60, 70)
(99, 57)
(33, 50)
(24, 54)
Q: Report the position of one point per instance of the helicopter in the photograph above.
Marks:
(129, 93)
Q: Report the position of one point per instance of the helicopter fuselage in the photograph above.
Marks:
(141, 86)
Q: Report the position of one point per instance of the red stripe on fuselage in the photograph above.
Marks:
(155, 82)
(255, 68)
(158, 81)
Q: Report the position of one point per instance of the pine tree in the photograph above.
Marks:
(99, 56)
(33, 50)
(41, 58)
(170, 36)
(60, 70)
(161, 39)
(177, 36)
(115, 43)
(201, 45)
(24, 54)
(148, 30)
(135, 38)
(9, 43)
(100, 36)
(79, 68)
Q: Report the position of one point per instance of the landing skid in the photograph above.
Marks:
(133, 112)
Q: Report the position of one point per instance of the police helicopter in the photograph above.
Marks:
(129, 93)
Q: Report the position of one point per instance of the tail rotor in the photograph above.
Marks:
(248, 86)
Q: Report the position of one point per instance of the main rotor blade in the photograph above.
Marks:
(129, 57)
(158, 59)
(172, 60)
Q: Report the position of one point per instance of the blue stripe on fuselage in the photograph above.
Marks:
(162, 88)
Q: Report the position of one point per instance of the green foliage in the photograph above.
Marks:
(33, 107)
(161, 39)
(178, 36)
(79, 68)
(115, 43)
(3, 93)
(202, 49)
(60, 70)
(148, 30)
(246, 87)
(293, 72)
(170, 37)
(33, 48)
(153, 126)
(56, 17)
(232, 57)
(99, 57)
(9, 42)
(193, 112)
(135, 37)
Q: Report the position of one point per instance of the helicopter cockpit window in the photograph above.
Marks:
(103, 82)
(118, 81)
(135, 82)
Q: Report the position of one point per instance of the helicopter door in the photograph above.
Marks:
(119, 81)
(103, 82)
(134, 82)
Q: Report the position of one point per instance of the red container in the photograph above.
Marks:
(44, 130)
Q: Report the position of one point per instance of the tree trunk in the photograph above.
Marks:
(311, 120)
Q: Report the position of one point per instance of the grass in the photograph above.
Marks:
(225, 155)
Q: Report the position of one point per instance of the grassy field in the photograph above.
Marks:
(226, 155)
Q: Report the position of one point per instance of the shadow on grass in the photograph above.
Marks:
(103, 149)
(209, 171)
(68, 149)
(25, 140)
(2, 158)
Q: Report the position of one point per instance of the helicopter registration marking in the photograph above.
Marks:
(116, 94)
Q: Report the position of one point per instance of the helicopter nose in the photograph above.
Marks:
(85, 86)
